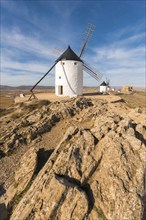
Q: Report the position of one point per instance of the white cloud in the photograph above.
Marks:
(32, 45)
(24, 58)
(25, 79)
(8, 63)
(38, 24)
(17, 73)
(15, 70)
(123, 61)
(135, 30)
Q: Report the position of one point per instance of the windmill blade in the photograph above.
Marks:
(92, 72)
(57, 51)
(31, 90)
(107, 81)
(94, 75)
(87, 36)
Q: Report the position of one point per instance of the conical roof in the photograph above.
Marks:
(103, 84)
(69, 54)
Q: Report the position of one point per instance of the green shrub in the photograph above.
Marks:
(100, 213)
(36, 105)
(16, 115)
(43, 102)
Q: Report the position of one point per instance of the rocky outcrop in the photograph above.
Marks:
(90, 176)
(95, 172)
(22, 176)
(29, 122)
(28, 168)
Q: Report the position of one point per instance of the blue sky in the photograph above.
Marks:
(32, 30)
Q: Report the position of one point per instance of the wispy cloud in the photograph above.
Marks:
(119, 61)
(123, 61)
(129, 30)
(31, 30)
(8, 78)
(24, 58)
(26, 55)
(17, 40)
(33, 20)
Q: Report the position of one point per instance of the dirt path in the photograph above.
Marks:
(52, 97)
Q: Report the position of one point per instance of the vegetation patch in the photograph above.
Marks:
(3, 111)
(100, 213)
(36, 105)
(42, 157)
(135, 99)
(5, 101)
(43, 102)
(16, 115)
(17, 198)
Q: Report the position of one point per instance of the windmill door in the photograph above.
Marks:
(60, 90)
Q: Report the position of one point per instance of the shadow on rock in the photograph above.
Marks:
(2, 190)
(72, 182)
(3, 212)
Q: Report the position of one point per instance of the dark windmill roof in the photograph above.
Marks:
(103, 84)
(69, 54)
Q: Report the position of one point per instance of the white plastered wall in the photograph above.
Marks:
(103, 88)
(69, 74)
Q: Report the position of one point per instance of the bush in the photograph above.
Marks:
(43, 102)
(36, 105)
(16, 115)
(3, 111)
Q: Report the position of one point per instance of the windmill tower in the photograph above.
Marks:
(69, 74)
(103, 87)
(69, 70)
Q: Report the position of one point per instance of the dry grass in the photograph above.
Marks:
(5, 102)
(135, 99)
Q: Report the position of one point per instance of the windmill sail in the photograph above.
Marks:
(57, 51)
(92, 72)
(107, 82)
(87, 36)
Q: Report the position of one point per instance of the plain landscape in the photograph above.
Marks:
(73, 158)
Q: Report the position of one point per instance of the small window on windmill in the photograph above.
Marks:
(75, 63)
(63, 63)
(59, 77)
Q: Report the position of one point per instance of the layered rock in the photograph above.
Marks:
(88, 178)
(95, 172)
(29, 122)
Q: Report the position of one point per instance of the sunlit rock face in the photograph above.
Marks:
(95, 171)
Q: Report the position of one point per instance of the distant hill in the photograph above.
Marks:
(23, 87)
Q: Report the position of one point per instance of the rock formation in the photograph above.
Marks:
(94, 169)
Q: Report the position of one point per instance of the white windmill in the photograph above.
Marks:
(104, 86)
(69, 70)
(69, 74)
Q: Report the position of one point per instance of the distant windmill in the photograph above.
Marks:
(69, 70)
(104, 86)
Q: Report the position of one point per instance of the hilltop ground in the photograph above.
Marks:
(7, 96)
(86, 154)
